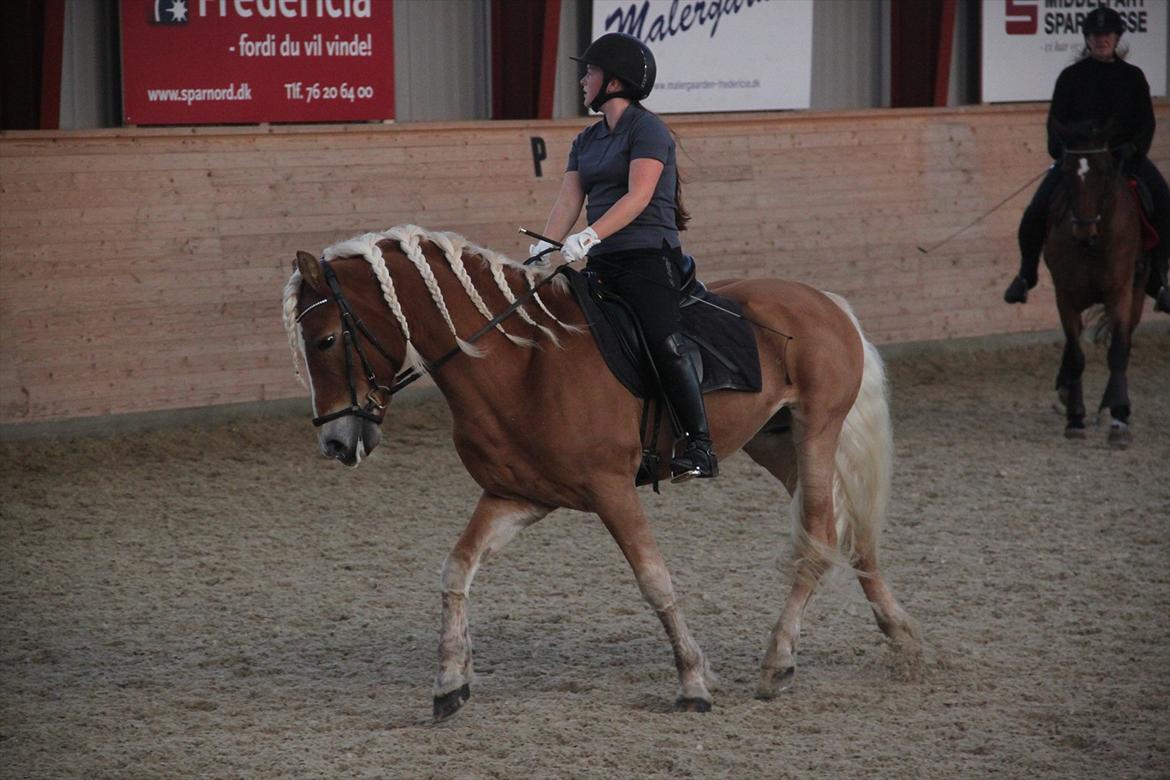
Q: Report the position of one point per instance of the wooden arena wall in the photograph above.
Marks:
(142, 268)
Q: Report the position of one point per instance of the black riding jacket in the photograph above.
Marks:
(1092, 90)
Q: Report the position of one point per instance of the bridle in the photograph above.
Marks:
(378, 397)
(351, 325)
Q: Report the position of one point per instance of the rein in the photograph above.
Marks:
(352, 326)
(556, 245)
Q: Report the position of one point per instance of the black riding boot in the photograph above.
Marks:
(1157, 286)
(1031, 240)
(680, 382)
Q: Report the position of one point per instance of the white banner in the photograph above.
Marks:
(1027, 43)
(719, 55)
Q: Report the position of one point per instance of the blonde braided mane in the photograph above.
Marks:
(409, 238)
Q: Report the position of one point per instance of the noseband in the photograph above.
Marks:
(351, 325)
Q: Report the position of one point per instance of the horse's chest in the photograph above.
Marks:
(514, 461)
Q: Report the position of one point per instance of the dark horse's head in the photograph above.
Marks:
(347, 370)
(1089, 173)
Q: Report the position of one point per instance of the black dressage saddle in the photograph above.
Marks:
(712, 324)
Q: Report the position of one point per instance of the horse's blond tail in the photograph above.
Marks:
(864, 461)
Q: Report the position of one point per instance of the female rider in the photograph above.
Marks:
(623, 169)
(1100, 88)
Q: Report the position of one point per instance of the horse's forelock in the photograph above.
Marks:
(292, 291)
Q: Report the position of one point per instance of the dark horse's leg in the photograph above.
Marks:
(1123, 315)
(1072, 366)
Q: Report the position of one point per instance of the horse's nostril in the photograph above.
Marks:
(334, 449)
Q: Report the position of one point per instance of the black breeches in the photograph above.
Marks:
(648, 280)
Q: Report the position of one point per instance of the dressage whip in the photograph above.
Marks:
(695, 298)
(983, 216)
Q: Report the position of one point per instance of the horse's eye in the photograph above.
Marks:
(326, 342)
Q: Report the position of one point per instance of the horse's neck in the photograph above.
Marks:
(447, 293)
(1114, 195)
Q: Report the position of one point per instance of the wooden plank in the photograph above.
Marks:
(144, 268)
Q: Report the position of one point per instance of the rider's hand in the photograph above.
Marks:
(534, 250)
(577, 245)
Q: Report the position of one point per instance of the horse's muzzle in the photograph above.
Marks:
(1085, 230)
(349, 439)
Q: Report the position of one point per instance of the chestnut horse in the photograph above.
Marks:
(1092, 249)
(540, 422)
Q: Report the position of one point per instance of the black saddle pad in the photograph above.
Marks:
(731, 360)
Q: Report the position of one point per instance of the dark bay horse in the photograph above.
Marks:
(1093, 248)
(540, 422)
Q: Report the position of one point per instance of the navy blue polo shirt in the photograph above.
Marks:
(602, 157)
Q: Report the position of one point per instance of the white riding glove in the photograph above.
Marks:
(577, 245)
(538, 247)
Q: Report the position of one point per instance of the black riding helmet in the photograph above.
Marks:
(1102, 20)
(624, 57)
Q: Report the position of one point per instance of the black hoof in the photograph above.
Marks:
(1120, 438)
(687, 704)
(776, 684)
(450, 703)
(1017, 291)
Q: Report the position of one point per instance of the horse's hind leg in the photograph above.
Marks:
(1068, 380)
(622, 513)
(493, 524)
(892, 619)
(815, 538)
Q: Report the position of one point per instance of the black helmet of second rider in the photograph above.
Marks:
(1101, 21)
(625, 58)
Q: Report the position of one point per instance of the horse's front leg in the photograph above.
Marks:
(493, 524)
(625, 519)
(1068, 380)
(1116, 396)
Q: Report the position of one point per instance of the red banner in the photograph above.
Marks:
(187, 62)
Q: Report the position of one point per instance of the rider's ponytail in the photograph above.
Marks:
(681, 215)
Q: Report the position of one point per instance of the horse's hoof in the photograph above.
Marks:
(450, 703)
(773, 682)
(1074, 432)
(1119, 436)
(691, 704)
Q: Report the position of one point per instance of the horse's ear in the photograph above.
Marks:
(311, 271)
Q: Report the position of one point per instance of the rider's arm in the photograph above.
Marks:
(643, 180)
(1144, 114)
(1058, 112)
(567, 207)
